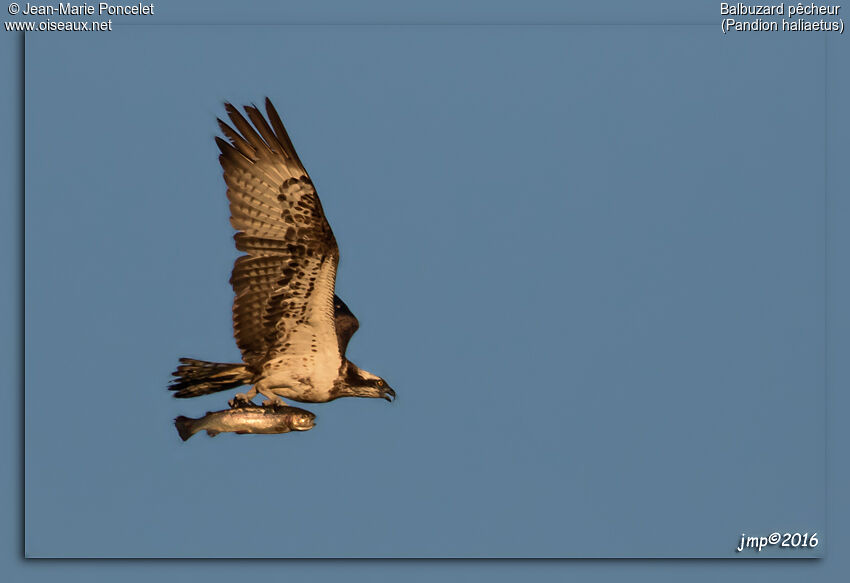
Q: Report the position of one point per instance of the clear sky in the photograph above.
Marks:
(594, 283)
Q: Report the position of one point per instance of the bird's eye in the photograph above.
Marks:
(380, 383)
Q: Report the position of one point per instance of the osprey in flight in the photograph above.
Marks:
(291, 328)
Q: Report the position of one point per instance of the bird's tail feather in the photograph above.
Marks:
(199, 377)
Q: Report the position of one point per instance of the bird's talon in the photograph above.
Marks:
(239, 400)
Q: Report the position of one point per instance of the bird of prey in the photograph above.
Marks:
(290, 326)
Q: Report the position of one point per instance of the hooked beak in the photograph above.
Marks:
(389, 394)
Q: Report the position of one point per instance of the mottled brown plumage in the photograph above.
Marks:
(291, 328)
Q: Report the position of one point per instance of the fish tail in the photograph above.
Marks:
(199, 377)
(186, 427)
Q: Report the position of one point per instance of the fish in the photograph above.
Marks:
(247, 418)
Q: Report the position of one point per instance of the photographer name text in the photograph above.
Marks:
(99, 9)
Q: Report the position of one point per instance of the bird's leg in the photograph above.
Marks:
(243, 398)
(271, 399)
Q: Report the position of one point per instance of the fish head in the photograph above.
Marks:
(302, 420)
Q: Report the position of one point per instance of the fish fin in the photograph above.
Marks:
(185, 427)
(212, 432)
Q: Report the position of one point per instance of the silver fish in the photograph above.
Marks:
(248, 418)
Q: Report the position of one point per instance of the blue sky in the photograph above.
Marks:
(520, 420)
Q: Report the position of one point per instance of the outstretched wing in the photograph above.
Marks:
(284, 284)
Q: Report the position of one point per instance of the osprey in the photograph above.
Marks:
(290, 326)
